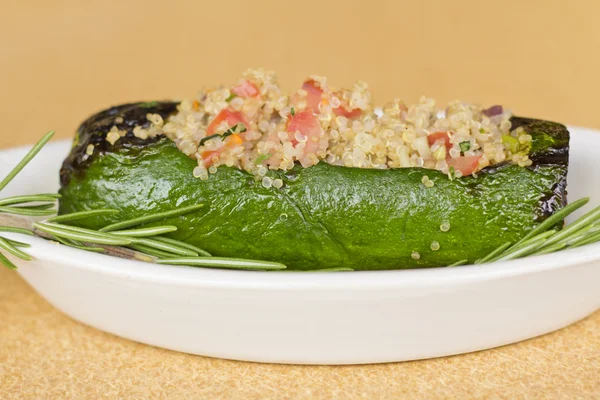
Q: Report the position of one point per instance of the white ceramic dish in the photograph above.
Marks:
(318, 318)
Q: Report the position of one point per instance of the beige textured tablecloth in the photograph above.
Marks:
(61, 61)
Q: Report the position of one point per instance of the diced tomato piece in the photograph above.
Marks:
(307, 124)
(314, 98)
(246, 89)
(232, 117)
(207, 157)
(314, 95)
(465, 164)
(342, 111)
(434, 137)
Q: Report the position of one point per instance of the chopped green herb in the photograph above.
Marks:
(293, 111)
(149, 104)
(239, 128)
(451, 173)
(261, 158)
(231, 97)
(511, 143)
(481, 130)
(465, 146)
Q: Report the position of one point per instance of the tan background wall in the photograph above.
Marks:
(62, 60)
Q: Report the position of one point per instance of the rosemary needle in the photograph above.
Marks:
(77, 245)
(146, 232)
(44, 206)
(220, 262)
(13, 250)
(494, 253)
(184, 245)
(30, 155)
(28, 199)
(82, 215)
(16, 243)
(526, 248)
(30, 212)
(151, 251)
(82, 235)
(340, 269)
(11, 229)
(550, 249)
(6, 262)
(581, 241)
(174, 250)
(458, 263)
(151, 218)
(517, 248)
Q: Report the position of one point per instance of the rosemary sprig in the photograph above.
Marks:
(544, 240)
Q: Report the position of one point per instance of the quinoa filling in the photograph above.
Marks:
(255, 126)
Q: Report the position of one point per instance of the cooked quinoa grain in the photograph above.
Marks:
(273, 130)
(426, 181)
(445, 227)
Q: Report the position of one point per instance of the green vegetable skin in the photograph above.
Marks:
(325, 216)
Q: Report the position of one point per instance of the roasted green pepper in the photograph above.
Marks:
(324, 216)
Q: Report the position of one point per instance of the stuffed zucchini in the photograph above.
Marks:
(320, 179)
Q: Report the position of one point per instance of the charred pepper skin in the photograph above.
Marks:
(324, 216)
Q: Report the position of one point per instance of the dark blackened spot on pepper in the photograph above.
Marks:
(93, 131)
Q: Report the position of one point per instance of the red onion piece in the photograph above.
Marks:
(493, 111)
